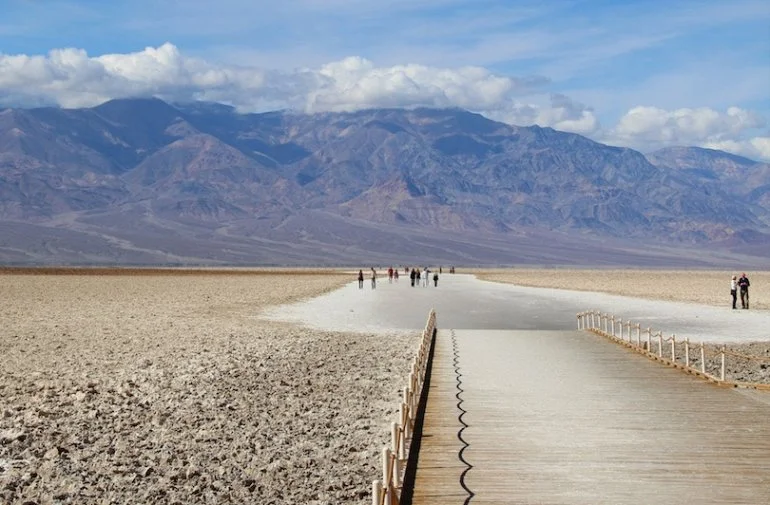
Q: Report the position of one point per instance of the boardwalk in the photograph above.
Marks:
(565, 417)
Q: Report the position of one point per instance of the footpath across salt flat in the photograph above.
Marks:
(551, 414)
(464, 302)
(564, 417)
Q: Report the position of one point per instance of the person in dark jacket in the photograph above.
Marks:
(412, 276)
(743, 284)
(360, 279)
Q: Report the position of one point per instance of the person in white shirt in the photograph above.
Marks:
(425, 277)
(734, 290)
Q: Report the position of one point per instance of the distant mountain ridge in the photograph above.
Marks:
(740, 177)
(141, 180)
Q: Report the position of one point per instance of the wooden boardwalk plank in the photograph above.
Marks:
(437, 481)
(569, 418)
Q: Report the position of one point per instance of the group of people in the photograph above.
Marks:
(415, 276)
(361, 279)
(741, 284)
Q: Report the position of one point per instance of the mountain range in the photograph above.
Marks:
(142, 181)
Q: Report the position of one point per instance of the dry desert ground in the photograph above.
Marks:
(137, 389)
(708, 287)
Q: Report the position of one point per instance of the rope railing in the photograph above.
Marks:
(706, 362)
(394, 457)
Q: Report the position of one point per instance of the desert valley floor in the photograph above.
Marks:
(169, 387)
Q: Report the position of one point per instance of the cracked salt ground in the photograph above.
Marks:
(128, 408)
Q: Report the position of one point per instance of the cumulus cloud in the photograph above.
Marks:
(71, 78)
(757, 148)
(561, 113)
(355, 83)
(649, 128)
(652, 124)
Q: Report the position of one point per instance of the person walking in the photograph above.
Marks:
(360, 279)
(412, 276)
(374, 278)
(435, 279)
(395, 275)
(743, 284)
(426, 275)
(734, 290)
(390, 275)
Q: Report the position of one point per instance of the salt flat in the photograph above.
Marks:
(464, 302)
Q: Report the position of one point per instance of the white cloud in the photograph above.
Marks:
(649, 128)
(72, 78)
(757, 148)
(651, 124)
(355, 83)
(561, 113)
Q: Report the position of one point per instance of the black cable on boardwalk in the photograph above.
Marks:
(460, 391)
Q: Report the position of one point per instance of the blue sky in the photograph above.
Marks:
(640, 73)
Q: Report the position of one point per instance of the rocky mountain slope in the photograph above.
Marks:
(143, 181)
(741, 178)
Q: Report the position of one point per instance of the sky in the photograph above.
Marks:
(645, 74)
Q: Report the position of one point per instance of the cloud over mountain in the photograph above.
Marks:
(646, 127)
(72, 78)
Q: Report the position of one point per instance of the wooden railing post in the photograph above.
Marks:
(702, 358)
(687, 352)
(394, 438)
(673, 348)
(660, 344)
(638, 335)
(396, 476)
(376, 492)
(404, 414)
(722, 374)
(649, 340)
(386, 473)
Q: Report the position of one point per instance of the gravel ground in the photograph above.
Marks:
(169, 389)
